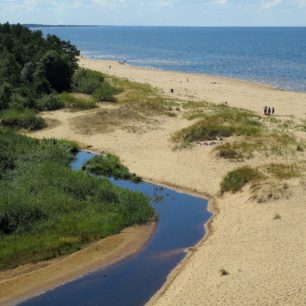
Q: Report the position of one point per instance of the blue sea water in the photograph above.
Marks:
(276, 56)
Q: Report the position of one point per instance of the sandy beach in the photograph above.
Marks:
(264, 256)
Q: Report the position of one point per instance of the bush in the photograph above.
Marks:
(86, 81)
(48, 103)
(110, 165)
(93, 83)
(26, 119)
(236, 179)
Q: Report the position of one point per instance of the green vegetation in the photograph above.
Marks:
(47, 210)
(93, 83)
(283, 171)
(236, 179)
(141, 97)
(77, 102)
(277, 143)
(221, 122)
(24, 119)
(32, 68)
(110, 165)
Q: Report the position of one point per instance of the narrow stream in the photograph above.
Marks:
(134, 280)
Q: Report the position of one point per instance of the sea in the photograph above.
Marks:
(270, 55)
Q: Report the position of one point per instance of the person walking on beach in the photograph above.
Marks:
(272, 110)
(266, 110)
(269, 111)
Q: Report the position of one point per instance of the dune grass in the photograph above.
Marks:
(72, 101)
(235, 180)
(269, 143)
(47, 210)
(220, 122)
(141, 96)
(283, 171)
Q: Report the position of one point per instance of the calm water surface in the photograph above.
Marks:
(276, 56)
(134, 280)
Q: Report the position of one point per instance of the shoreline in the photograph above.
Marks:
(203, 87)
(196, 74)
(30, 280)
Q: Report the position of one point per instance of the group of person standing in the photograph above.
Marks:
(269, 110)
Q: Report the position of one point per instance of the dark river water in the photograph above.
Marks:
(134, 280)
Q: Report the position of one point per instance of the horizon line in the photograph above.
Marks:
(161, 26)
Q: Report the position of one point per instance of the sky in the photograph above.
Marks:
(156, 12)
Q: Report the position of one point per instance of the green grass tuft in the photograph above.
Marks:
(235, 180)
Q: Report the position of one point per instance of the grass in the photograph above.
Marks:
(275, 143)
(110, 165)
(72, 101)
(47, 210)
(283, 171)
(235, 180)
(142, 96)
(221, 122)
(22, 119)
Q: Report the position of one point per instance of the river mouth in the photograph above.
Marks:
(134, 280)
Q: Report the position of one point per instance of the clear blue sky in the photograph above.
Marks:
(156, 12)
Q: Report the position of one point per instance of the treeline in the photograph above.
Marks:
(32, 66)
(35, 70)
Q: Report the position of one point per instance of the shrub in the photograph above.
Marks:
(93, 83)
(47, 103)
(236, 179)
(86, 81)
(26, 119)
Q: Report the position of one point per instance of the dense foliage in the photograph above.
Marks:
(110, 165)
(32, 68)
(31, 65)
(47, 210)
(93, 83)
